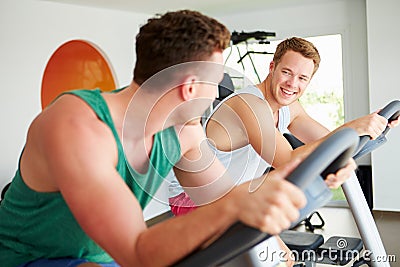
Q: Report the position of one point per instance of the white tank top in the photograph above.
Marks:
(244, 163)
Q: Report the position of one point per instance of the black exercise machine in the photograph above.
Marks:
(300, 242)
(332, 154)
(260, 37)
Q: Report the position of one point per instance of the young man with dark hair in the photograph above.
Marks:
(92, 160)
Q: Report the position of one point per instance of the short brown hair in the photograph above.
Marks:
(302, 46)
(174, 38)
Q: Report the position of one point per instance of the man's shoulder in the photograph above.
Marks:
(296, 110)
(68, 115)
(70, 106)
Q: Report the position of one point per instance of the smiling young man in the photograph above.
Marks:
(242, 128)
(295, 62)
(231, 125)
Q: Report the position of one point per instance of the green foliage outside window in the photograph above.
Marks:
(332, 100)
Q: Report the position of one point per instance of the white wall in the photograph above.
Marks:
(383, 45)
(30, 32)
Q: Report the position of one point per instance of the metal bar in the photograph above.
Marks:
(365, 222)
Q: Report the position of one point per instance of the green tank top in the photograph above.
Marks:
(37, 225)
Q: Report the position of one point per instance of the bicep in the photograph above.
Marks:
(283, 152)
(259, 124)
(102, 204)
(266, 140)
(107, 211)
(255, 122)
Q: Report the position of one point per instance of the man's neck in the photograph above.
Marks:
(143, 112)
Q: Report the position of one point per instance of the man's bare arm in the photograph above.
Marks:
(109, 213)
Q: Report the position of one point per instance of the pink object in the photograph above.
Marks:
(181, 204)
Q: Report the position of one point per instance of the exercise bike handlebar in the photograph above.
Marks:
(335, 151)
(328, 157)
(391, 112)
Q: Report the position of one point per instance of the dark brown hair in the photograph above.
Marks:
(174, 38)
(302, 46)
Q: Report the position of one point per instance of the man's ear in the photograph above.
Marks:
(271, 66)
(189, 87)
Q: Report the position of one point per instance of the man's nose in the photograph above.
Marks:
(292, 81)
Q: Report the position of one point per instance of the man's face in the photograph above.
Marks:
(290, 77)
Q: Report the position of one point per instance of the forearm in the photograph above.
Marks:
(372, 125)
(284, 153)
(305, 150)
(169, 241)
